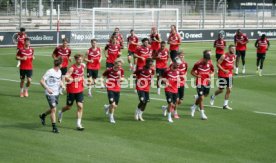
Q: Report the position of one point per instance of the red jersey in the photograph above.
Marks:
(144, 52)
(205, 71)
(262, 45)
(162, 61)
(64, 53)
(144, 77)
(113, 51)
(20, 40)
(240, 42)
(220, 45)
(95, 55)
(182, 69)
(77, 85)
(174, 38)
(132, 47)
(227, 64)
(26, 64)
(172, 78)
(155, 45)
(113, 82)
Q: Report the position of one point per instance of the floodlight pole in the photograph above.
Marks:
(51, 14)
(263, 13)
(20, 14)
(58, 12)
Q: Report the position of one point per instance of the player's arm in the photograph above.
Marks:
(215, 45)
(86, 57)
(14, 38)
(101, 56)
(33, 54)
(69, 56)
(54, 54)
(235, 41)
(19, 57)
(43, 83)
(268, 45)
(105, 51)
(194, 72)
(68, 77)
(159, 38)
(256, 44)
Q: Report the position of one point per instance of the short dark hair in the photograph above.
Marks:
(231, 46)
(92, 40)
(27, 39)
(145, 39)
(57, 62)
(263, 36)
(65, 40)
(22, 29)
(163, 42)
(132, 30)
(206, 54)
(77, 56)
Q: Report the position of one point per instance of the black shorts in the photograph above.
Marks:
(109, 65)
(52, 101)
(26, 73)
(225, 82)
(240, 53)
(71, 97)
(113, 97)
(203, 90)
(173, 54)
(160, 71)
(130, 53)
(63, 70)
(261, 55)
(180, 93)
(171, 97)
(92, 73)
(218, 56)
(143, 96)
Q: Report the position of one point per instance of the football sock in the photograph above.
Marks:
(78, 122)
(226, 102)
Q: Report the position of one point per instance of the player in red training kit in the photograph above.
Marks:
(262, 44)
(132, 42)
(119, 36)
(26, 57)
(202, 70)
(220, 45)
(175, 41)
(93, 63)
(20, 37)
(161, 57)
(144, 77)
(225, 75)
(64, 52)
(240, 41)
(142, 53)
(112, 52)
(75, 86)
(114, 76)
(155, 40)
(171, 78)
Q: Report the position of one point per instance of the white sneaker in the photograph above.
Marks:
(136, 117)
(106, 109)
(112, 120)
(226, 107)
(164, 109)
(61, 91)
(237, 71)
(243, 71)
(212, 100)
(140, 116)
(59, 116)
(158, 91)
(193, 109)
(260, 73)
(203, 116)
(80, 128)
(170, 120)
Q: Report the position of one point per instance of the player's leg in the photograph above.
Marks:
(262, 64)
(243, 61)
(144, 100)
(69, 102)
(258, 62)
(129, 59)
(79, 102)
(199, 90)
(63, 73)
(179, 100)
(22, 81)
(139, 106)
(170, 107)
(221, 85)
(158, 82)
(238, 56)
(89, 82)
(28, 84)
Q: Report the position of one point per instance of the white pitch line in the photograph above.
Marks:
(267, 113)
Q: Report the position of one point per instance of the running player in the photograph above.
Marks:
(112, 52)
(240, 41)
(175, 41)
(171, 78)
(132, 42)
(26, 57)
(120, 38)
(64, 52)
(144, 77)
(93, 58)
(262, 44)
(155, 40)
(202, 70)
(20, 37)
(220, 45)
(51, 82)
(142, 53)
(75, 86)
(225, 76)
(161, 58)
(114, 76)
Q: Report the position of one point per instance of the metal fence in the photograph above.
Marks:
(193, 14)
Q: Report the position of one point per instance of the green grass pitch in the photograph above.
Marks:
(241, 135)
